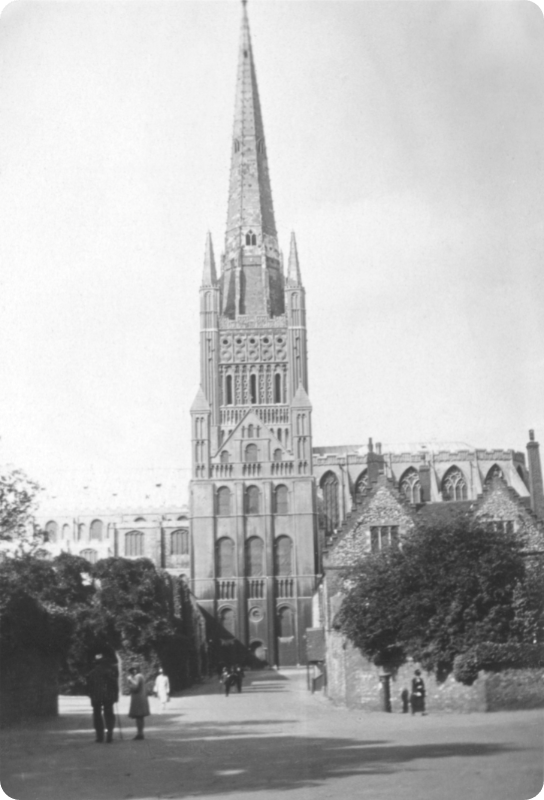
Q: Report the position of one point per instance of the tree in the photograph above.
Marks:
(17, 506)
(449, 588)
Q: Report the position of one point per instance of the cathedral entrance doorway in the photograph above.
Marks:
(286, 643)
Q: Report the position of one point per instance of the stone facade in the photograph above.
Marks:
(252, 493)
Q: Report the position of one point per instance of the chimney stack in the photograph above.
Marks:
(536, 486)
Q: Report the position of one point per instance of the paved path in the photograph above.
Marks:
(275, 741)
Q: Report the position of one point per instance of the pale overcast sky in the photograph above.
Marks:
(406, 151)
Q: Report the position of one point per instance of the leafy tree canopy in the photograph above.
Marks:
(17, 506)
(450, 588)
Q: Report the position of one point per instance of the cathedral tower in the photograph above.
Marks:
(252, 489)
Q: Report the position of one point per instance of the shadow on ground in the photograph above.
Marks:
(196, 759)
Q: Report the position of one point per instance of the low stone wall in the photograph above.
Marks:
(354, 682)
(515, 688)
(28, 686)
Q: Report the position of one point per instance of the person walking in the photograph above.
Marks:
(139, 705)
(103, 691)
(162, 688)
(417, 698)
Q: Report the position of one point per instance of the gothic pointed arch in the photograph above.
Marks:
(361, 485)
(454, 485)
(495, 473)
(410, 486)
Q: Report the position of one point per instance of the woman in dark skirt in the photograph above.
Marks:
(417, 698)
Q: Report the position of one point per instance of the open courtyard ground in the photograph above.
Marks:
(274, 740)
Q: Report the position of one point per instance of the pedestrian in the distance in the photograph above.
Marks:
(405, 698)
(139, 704)
(162, 688)
(103, 690)
(417, 698)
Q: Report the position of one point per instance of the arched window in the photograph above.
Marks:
(279, 434)
(89, 555)
(454, 486)
(134, 543)
(96, 530)
(281, 500)
(253, 389)
(283, 556)
(66, 531)
(224, 457)
(254, 557)
(80, 531)
(225, 558)
(286, 626)
(223, 502)
(52, 531)
(361, 485)
(251, 453)
(410, 486)
(179, 543)
(277, 388)
(228, 390)
(250, 432)
(495, 473)
(253, 500)
(278, 455)
(329, 487)
(228, 620)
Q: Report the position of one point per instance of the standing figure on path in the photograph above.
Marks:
(417, 698)
(405, 698)
(162, 688)
(139, 705)
(239, 675)
(228, 679)
(103, 690)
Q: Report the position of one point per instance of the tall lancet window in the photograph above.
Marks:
(253, 389)
(228, 390)
(277, 388)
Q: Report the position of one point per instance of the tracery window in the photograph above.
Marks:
(251, 238)
(283, 556)
(225, 558)
(223, 501)
(179, 542)
(454, 486)
(254, 557)
(383, 537)
(253, 498)
(410, 486)
(281, 500)
(329, 487)
(134, 543)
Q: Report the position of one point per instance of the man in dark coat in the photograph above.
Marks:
(103, 689)
(417, 698)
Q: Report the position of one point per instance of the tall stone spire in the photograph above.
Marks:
(250, 196)
(209, 275)
(252, 278)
